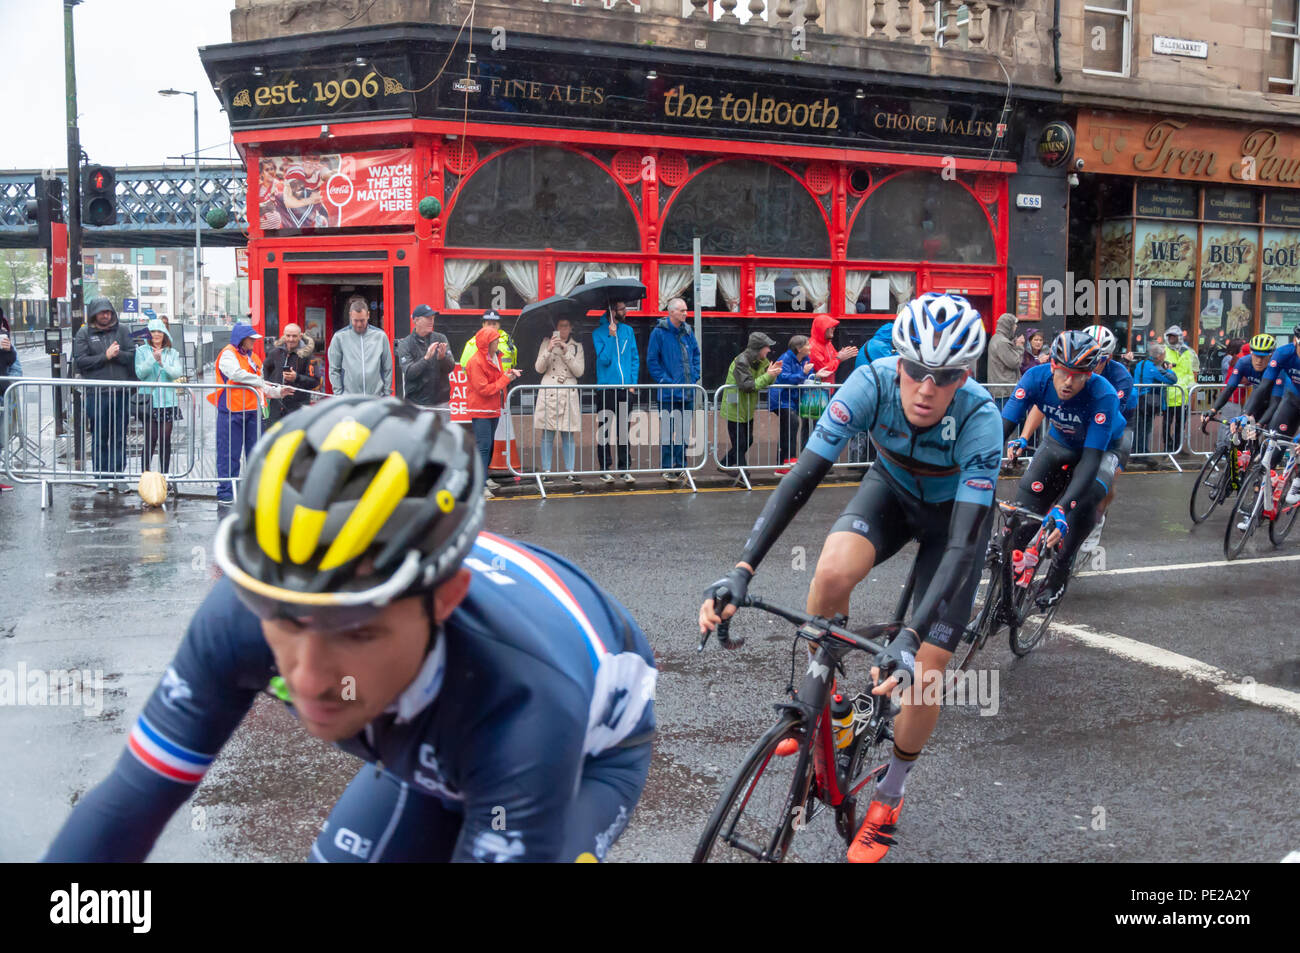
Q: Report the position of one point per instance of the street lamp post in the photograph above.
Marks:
(198, 241)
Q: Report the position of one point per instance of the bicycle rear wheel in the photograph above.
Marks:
(1280, 528)
(1211, 486)
(755, 818)
(1033, 622)
(1247, 510)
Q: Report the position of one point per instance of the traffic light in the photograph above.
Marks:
(99, 196)
(45, 208)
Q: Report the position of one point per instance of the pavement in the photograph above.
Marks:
(1160, 720)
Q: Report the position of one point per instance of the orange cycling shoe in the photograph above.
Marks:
(876, 835)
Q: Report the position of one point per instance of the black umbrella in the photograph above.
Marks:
(551, 309)
(607, 292)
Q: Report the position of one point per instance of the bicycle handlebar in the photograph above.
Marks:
(1206, 417)
(819, 626)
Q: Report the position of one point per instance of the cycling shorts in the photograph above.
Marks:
(1285, 417)
(890, 518)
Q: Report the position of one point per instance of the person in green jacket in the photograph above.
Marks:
(1183, 362)
(749, 373)
(159, 361)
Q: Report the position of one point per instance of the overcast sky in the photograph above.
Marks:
(127, 50)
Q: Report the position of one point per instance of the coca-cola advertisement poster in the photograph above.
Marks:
(333, 191)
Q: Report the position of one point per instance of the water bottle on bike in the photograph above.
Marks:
(1023, 563)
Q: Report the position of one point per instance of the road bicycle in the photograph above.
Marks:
(1221, 474)
(772, 799)
(1010, 597)
(1263, 492)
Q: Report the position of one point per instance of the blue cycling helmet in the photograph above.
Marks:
(1077, 350)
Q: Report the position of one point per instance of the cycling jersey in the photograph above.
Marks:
(1120, 379)
(534, 676)
(1243, 374)
(957, 458)
(1090, 419)
(1284, 365)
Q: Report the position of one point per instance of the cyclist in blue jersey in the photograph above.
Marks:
(1274, 411)
(1246, 372)
(1125, 391)
(938, 441)
(1085, 442)
(504, 702)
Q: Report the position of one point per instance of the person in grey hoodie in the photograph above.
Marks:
(360, 361)
(103, 351)
(1005, 353)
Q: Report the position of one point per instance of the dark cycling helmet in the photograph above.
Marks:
(1077, 350)
(1262, 344)
(349, 505)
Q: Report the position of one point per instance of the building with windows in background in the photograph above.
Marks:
(835, 157)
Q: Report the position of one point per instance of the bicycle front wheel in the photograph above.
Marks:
(986, 623)
(1245, 515)
(1211, 486)
(1033, 622)
(758, 814)
(1280, 528)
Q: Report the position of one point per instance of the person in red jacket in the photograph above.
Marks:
(486, 395)
(824, 355)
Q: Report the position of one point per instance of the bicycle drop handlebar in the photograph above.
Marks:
(813, 628)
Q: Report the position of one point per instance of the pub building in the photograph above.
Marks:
(390, 162)
(1207, 212)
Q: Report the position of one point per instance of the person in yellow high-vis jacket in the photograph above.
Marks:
(1182, 361)
(506, 349)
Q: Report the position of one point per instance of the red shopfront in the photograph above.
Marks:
(788, 228)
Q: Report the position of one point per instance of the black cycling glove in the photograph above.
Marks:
(899, 655)
(731, 589)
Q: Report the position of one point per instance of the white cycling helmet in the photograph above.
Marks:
(1103, 336)
(939, 330)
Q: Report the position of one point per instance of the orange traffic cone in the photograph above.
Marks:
(504, 430)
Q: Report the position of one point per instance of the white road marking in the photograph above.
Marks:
(1217, 562)
(1292, 858)
(1237, 686)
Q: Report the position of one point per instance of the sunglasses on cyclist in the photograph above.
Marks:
(942, 376)
(1072, 371)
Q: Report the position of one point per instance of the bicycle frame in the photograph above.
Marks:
(1277, 481)
(1012, 518)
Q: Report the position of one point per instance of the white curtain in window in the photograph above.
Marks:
(816, 285)
(569, 274)
(457, 275)
(729, 285)
(673, 280)
(523, 275)
(621, 271)
(854, 282)
(901, 284)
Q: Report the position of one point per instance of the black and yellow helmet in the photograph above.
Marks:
(348, 505)
(1262, 344)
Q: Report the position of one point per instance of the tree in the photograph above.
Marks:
(115, 284)
(22, 272)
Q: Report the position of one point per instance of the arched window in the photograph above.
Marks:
(920, 216)
(542, 197)
(745, 207)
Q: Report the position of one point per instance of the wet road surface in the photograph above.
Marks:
(1178, 741)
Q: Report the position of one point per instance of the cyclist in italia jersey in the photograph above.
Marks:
(503, 701)
(937, 436)
(1119, 378)
(1085, 442)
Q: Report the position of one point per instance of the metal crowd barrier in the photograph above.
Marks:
(1158, 429)
(106, 433)
(777, 431)
(613, 435)
(1201, 399)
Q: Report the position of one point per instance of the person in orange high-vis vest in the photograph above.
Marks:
(239, 411)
